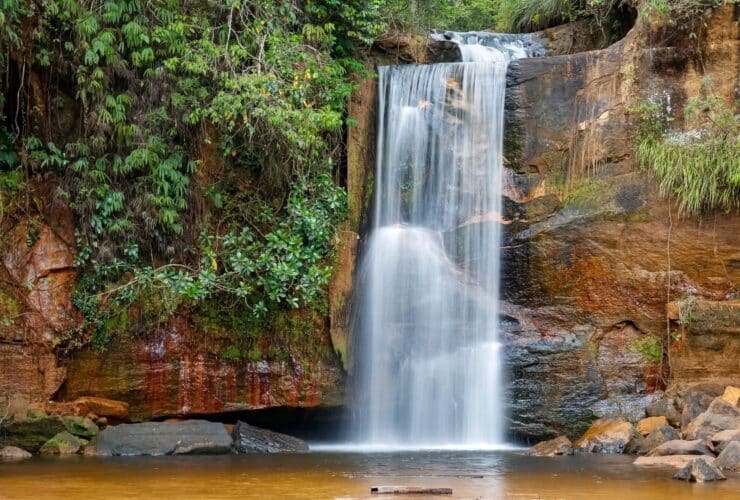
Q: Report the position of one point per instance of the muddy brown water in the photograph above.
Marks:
(495, 475)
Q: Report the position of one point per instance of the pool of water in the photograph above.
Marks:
(501, 474)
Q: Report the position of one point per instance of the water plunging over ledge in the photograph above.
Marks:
(429, 373)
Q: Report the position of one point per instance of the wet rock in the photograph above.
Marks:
(732, 395)
(656, 438)
(80, 426)
(13, 453)
(681, 447)
(677, 461)
(664, 407)
(648, 425)
(608, 436)
(729, 459)
(723, 438)
(30, 432)
(720, 416)
(699, 470)
(63, 443)
(551, 448)
(158, 438)
(250, 439)
(697, 400)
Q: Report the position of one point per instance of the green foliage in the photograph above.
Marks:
(701, 168)
(163, 88)
(676, 11)
(649, 348)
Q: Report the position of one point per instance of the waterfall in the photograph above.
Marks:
(429, 369)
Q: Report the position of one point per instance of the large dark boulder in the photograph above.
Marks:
(197, 437)
(697, 400)
(31, 431)
(250, 439)
(720, 416)
(661, 435)
(729, 459)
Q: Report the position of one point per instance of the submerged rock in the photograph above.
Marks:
(729, 459)
(159, 438)
(720, 416)
(648, 425)
(13, 453)
(677, 461)
(699, 470)
(608, 436)
(681, 447)
(63, 443)
(554, 447)
(250, 439)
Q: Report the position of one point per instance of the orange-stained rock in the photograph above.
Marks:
(648, 425)
(732, 395)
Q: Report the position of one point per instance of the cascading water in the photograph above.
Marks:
(429, 373)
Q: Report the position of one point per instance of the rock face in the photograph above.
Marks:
(729, 459)
(554, 447)
(608, 436)
(177, 370)
(250, 439)
(699, 470)
(157, 438)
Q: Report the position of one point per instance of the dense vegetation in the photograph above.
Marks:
(197, 141)
(699, 168)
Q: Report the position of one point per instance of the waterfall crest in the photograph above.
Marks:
(429, 372)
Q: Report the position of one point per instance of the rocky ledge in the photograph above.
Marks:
(705, 442)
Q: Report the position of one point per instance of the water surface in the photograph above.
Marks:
(496, 475)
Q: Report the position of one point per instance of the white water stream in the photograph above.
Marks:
(429, 372)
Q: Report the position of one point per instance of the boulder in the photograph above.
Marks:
(81, 426)
(30, 432)
(729, 459)
(723, 438)
(677, 461)
(112, 410)
(681, 447)
(159, 438)
(250, 439)
(664, 407)
(554, 447)
(63, 443)
(731, 395)
(13, 453)
(699, 470)
(696, 400)
(648, 425)
(720, 416)
(608, 436)
(656, 438)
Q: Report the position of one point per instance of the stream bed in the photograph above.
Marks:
(505, 475)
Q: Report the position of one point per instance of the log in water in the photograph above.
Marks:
(409, 490)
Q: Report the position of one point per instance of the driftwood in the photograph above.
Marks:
(409, 490)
